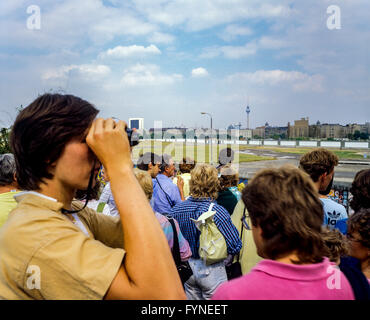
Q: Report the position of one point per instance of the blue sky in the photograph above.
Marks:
(170, 60)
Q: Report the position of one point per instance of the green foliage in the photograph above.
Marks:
(4, 141)
(357, 135)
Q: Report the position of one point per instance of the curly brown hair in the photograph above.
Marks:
(360, 222)
(336, 243)
(229, 177)
(187, 165)
(317, 162)
(204, 182)
(286, 206)
(360, 190)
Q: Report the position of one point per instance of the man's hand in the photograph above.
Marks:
(108, 140)
(180, 182)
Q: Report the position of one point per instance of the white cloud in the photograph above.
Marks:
(233, 31)
(144, 75)
(159, 37)
(199, 15)
(298, 80)
(199, 72)
(86, 70)
(134, 50)
(230, 52)
(269, 42)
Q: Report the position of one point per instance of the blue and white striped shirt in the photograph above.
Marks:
(193, 208)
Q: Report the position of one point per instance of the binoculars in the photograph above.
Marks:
(133, 137)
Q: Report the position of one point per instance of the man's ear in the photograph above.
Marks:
(150, 166)
(323, 177)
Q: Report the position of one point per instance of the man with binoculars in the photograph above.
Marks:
(52, 247)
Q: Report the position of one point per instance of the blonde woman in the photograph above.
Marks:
(204, 187)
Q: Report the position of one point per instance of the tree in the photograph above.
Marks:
(4, 141)
(364, 136)
(356, 135)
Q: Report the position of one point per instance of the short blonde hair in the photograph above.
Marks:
(204, 182)
(145, 181)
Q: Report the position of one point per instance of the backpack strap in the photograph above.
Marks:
(176, 247)
(241, 231)
(167, 196)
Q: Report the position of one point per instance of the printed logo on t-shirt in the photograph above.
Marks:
(333, 217)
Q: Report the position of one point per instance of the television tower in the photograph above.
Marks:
(248, 110)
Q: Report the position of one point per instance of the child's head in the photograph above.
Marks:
(336, 244)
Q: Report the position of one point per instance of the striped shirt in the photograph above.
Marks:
(193, 208)
(185, 252)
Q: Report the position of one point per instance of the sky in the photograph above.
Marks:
(170, 60)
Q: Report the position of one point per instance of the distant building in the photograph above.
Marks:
(137, 123)
(259, 132)
(276, 132)
(245, 134)
(300, 129)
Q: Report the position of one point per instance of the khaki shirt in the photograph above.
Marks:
(43, 255)
(248, 254)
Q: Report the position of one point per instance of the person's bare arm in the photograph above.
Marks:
(148, 270)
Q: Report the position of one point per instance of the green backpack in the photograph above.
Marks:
(212, 244)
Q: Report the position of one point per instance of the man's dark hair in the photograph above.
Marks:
(286, 206)
(7, 169)
(226, 156)
(165, 162)
(41, 131)
(360, 190)
(317, 162)
(187, 165)
(146, 158)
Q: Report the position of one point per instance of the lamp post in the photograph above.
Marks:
(211, 136)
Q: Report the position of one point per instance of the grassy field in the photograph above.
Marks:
(200, 153)
(342, 154)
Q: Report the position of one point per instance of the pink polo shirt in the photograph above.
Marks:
(272, 280)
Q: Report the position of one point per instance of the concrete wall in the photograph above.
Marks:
(288, 143)
(330, 144)
(283, 143)
(356, 145)
(271, 143)
(308, 143)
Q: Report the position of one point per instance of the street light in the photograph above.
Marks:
(211, 136)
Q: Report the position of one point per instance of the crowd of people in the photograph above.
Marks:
(148, 230)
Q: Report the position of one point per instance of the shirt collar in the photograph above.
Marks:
(200, 199)
(38, 200)
(293, 271)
